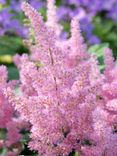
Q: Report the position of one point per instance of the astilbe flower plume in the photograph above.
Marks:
(69, 103)
(10, 122)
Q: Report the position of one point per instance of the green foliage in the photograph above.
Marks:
(58, 2)
(76, 154)
(2, 134)
(3, 152)
(13, 73)
(27, 152)
(43, 13)
(11, 45)
(66, 26)
(106, 30)
(98, 50)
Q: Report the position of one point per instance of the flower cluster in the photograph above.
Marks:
(70, 104)
(10, 122)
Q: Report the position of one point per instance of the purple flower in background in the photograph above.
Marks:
(4, 20)
(37, 4)
(113, 13)
(8, 23)
(85, 10)
(8, 20)
(15, 5)
(5, 17)
(2, 1)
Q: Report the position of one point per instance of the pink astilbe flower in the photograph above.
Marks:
(10, 122)
(65, 97)
(52, 18)
(109, 61)
(76, 39)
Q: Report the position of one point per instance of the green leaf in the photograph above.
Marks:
(76, 154)
(13, 73)
(4, 152)
(58, 2)
(9, 44)
(2, 134)
(102, 26)
(98, 50)
(106, 29)
(43, 13)
(66, 26)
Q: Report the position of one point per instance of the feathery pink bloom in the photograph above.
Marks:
(69, 103)
(10, 122)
